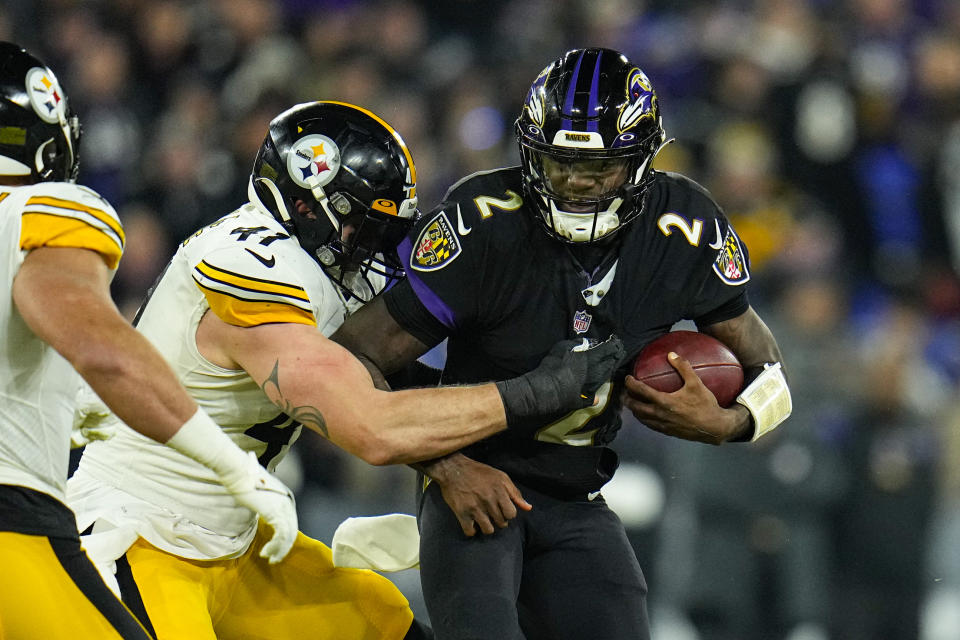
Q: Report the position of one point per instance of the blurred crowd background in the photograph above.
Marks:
(828, 130)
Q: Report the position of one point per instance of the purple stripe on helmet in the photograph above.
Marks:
(437, 307)
(594, 125)
(567, 123)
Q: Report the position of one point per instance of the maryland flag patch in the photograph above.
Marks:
(436, 246)
(731, 263)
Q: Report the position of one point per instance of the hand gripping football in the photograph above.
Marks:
(711, 360)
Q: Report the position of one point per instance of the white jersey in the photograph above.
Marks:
(37, 385)
(248, 270)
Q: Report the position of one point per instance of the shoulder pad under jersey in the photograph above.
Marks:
(248, 284)
(466, 218)
(62, 214)
(688, 213)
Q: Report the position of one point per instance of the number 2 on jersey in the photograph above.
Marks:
(690, 230)
(485, 204)
(569, 430)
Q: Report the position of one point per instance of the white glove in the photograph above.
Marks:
(258, 490)
(253, 486)
(90, 418)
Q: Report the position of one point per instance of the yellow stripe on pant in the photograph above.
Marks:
(246, 597)
(48, 588)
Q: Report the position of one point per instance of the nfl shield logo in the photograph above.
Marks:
(581, 321)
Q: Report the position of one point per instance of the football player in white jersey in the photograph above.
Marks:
(242, 313)
(59, 246)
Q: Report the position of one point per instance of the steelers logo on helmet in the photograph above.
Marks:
(313, 161)
(46, 96)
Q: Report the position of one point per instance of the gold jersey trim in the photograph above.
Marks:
(245, 312)
(70, 208)
(50, 230)
(211, 275)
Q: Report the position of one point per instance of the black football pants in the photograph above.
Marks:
(563, 571)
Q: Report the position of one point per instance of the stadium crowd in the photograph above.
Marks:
(828, 131)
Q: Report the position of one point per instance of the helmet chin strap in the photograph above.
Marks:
(38, 159)
(587, 226)
(275, 192)
(68, 125)
(643, 165)
(321, 197)
(324, 254)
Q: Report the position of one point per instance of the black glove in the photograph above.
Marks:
(565, 381)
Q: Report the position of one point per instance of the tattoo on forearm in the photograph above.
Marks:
(305, 414)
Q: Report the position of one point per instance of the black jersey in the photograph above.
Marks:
(482, 273)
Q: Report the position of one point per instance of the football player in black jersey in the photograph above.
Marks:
(583, 240)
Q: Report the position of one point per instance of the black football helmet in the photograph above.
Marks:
(588, 132)
(342, 181)
(39, 135)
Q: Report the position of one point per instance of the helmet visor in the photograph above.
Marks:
(578, 192)
(584, 180)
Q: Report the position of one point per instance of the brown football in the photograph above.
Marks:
(711, 359)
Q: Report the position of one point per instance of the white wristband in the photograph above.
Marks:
(201, 439)
(768, 400)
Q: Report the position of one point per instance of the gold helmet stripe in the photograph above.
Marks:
(399, 139)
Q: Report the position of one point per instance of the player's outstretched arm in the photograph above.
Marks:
(375, 336)
(692, 412)
(479, 495)
(63, 295)
(372, 334)
(320, 384)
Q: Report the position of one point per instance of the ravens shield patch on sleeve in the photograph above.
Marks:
(436, 246)
(731, 263)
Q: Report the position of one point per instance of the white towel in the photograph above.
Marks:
(382, 543)
(104, 547)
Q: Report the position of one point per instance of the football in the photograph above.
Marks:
(711, 359)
